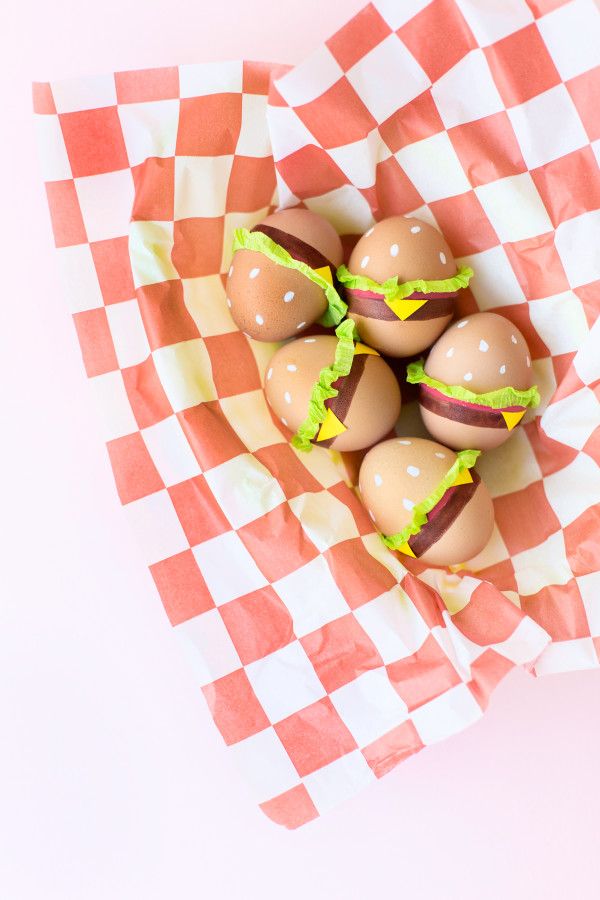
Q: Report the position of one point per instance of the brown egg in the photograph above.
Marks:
(410, 249)
(398, 474)
(482, 352)
(270, 302)
(367, 405)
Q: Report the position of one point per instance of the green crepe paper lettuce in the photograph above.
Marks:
(261, 243)
(322, 389)
(499, 399)
(465, 459)
(392, 291)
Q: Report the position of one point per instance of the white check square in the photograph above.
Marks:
(156, 526)
(578, 251)
(467, 91)
(150, 246)
(201, 185)
(149, 129)
(393, 624)
(228, 568)
(369, 706)
(113, 406)
(573, 419)
(324, 519)
(447, 714)
(514, 207)
(312, 596)
(170, 451)
(79, 278)
(547, 127)
(510, 467)
(201, 79)
(206, 302)
(106, 202)
(128, 333)
(285, 681)
(434, 168)
(185, 372)
(560, 321)
(543, 565)
(208, 646)
(574, 489)
(93, 92)
(495, 19)
(244, 489)
(589, 588)
(52, 153)
(311, 78)
(572, 35)
(248, 415)
(339, 780)
(494, 283)
(264, 763)
(254, 137)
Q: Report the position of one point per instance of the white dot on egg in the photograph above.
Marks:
(408, 504)
(259, 319)
(463, 323)
(228, 302)
(287, 397)
(230, 271)
(528, 361)
(371, 516)
(284, 421)
(270, 374)
(513, 339)
(413, 471)
(484, 346)
(415, 229)
(291, 367)
(502, 370)
(406, 443)
(289, 295)
(364, 262)
(468, 376)
(442, 257)
(253, 273)
(394, 250)
(309, 340)
(301, 325)
(450, 352)
(378, 480)
(370, 231)
(441, 455)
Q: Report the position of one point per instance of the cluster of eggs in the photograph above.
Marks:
(395, 298)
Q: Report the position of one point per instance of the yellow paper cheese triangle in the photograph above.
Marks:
(331, 427)
(512, 418)
(325, 272)
(406, 549)
(405, 308)
(463, 477)
(362, 348)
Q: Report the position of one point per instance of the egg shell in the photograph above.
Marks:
(271, 302)
(410, 249)
(402, 472)
(482, 352)
(375, 404)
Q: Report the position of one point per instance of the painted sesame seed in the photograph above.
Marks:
(394, 250)
(259, 319)
(405, 443)
(528, 361)
(370, 231)
(291, 367)
(253, 273)
(484, 346)
(413, 471)
(463, 323)
(408, 504)
(415, 229)
(289, 295)
(442, 257)
(301, 325)
(513, 339)
(450, 352)
(468, 376)
(364, 262)
(372, 517)
(502, 370)
(378, 480)
(284, 421)
(230, 271)
(441, 455)
(270, 374)
(287, 397)
(228, 302)
(309, 340)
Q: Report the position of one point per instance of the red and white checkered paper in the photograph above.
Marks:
(324, 658)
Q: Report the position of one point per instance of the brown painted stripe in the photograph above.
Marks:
(479, 416)
(298, 249)
(443, 515)
(346, 386)
(434, 308)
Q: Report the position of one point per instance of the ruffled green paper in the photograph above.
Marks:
(465, 459)
(323, 390)
(392, 290)
(499, 399)
(261, 243)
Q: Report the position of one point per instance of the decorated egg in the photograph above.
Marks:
(427, 501)
(400, 285)
(282, 276)
(476, 384)
(333, 391)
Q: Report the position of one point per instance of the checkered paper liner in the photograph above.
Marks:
(326, 660)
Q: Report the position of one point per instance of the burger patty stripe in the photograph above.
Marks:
(437, 305)
(443, 515)
(298, 249)
(346, 388)
(465, 413)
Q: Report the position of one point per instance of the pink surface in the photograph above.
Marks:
(107, 744)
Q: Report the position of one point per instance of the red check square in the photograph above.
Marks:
(278, 529)
(135, 474)
(584, 91)
(197, 246)
(425, 599)
(551, 455)
(559, 610)
(165, 314)
(488, 149)
(200, 515)
(148, 400)
(293, 477)
(488, 617)
(256, 77)
(393, 748)
(570, 185)
(113, 268)
(43, 101)
(310, 172)
(588, 294)
(424, 675)
(154, 181)
(251, 183)
(487, 671)
(415, 121)
(525, 518)
(396, 194)
(211, 437)
(337, 117)
(464, 224)
(501, 575)
(65, 214)
(315, 736)
(234, 368)
(94, 141)
(347, 496)
(96, 342)
(292, 809)
(210, 125)
(341, 651)
(235, 707)
(522, 66)
(358, 575)
(582, 544)
(538, 267)
(258, 624)
(438, 37)
(143, 85)
(355, 39)
(181, 586)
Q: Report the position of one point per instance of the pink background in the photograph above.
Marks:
(115, 783)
